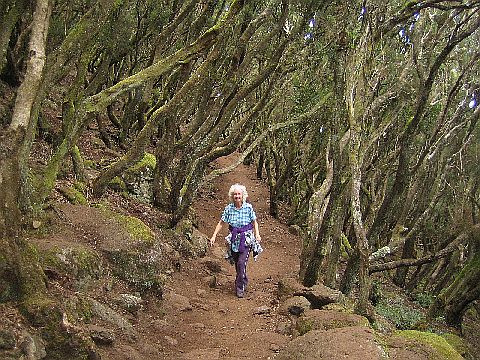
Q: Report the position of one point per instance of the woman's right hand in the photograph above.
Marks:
(212, 240)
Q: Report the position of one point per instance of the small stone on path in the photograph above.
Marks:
(261, 310)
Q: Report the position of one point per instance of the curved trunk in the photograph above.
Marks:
(454, 300)
(314, 257)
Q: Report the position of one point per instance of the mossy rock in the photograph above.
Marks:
(188, 241)
(134, 227)
(139, 269)
(148, 161)
(457, 342)
(73, 195)
(79, 263)
(441, 349)
(138, 178)
(46, 314)
(117, 184)
(7, 283)
(326, 319)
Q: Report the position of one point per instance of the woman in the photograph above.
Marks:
(242, 221)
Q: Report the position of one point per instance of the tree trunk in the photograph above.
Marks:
(10, 183)
(315, 257)
(454, 300)
(19, 275)
(408, 253)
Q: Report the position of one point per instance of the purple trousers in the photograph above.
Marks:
(241, 259)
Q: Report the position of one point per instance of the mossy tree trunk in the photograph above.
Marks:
(315, 256)
(164, 66)
(454, 300)
(20, 276)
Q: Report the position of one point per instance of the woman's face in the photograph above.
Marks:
(237, 197)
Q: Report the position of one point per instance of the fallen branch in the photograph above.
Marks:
(455, 244)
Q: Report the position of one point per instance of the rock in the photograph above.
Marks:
(36, 224)
(413, 344)
(288, 286)
(189, 241)
(80, 263)
(138, 178)
(131, 303)
(343, 343)
(101, 335)
(111, 316)
(211, 281)
(326, 319)
(274, 347)
(179, 302)
(284, 328)
(295, 305)
(264, 309)
(320, 295)
(201, 292)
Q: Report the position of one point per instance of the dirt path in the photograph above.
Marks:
(212, 323)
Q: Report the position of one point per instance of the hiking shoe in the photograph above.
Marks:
(240, 294)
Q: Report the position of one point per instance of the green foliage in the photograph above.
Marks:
(424, 299)
(399, 313)
(304, 326)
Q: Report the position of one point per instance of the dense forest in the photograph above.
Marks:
(362, 117)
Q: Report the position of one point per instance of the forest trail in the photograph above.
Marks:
(212, 323)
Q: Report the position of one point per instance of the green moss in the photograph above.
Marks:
(79, 309)
(81, 264)
(148, 161)
(117, 184)
(139, 271)
(457, 342)
(89, 164)
(73, 195)
(135, 227)
(441, 346)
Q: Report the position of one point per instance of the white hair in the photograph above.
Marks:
(242, 188)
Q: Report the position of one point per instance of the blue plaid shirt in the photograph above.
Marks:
(239, 217)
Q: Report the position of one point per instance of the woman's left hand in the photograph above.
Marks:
(258, 238)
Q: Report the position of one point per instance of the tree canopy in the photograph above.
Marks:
(362, 116)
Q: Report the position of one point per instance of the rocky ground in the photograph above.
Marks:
(196, 315)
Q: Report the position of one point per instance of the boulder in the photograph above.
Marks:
(101, 335)
(295, 305)
(326, 319)
(111, 316)
(342, 343)
(288, 286)
(320, 295)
